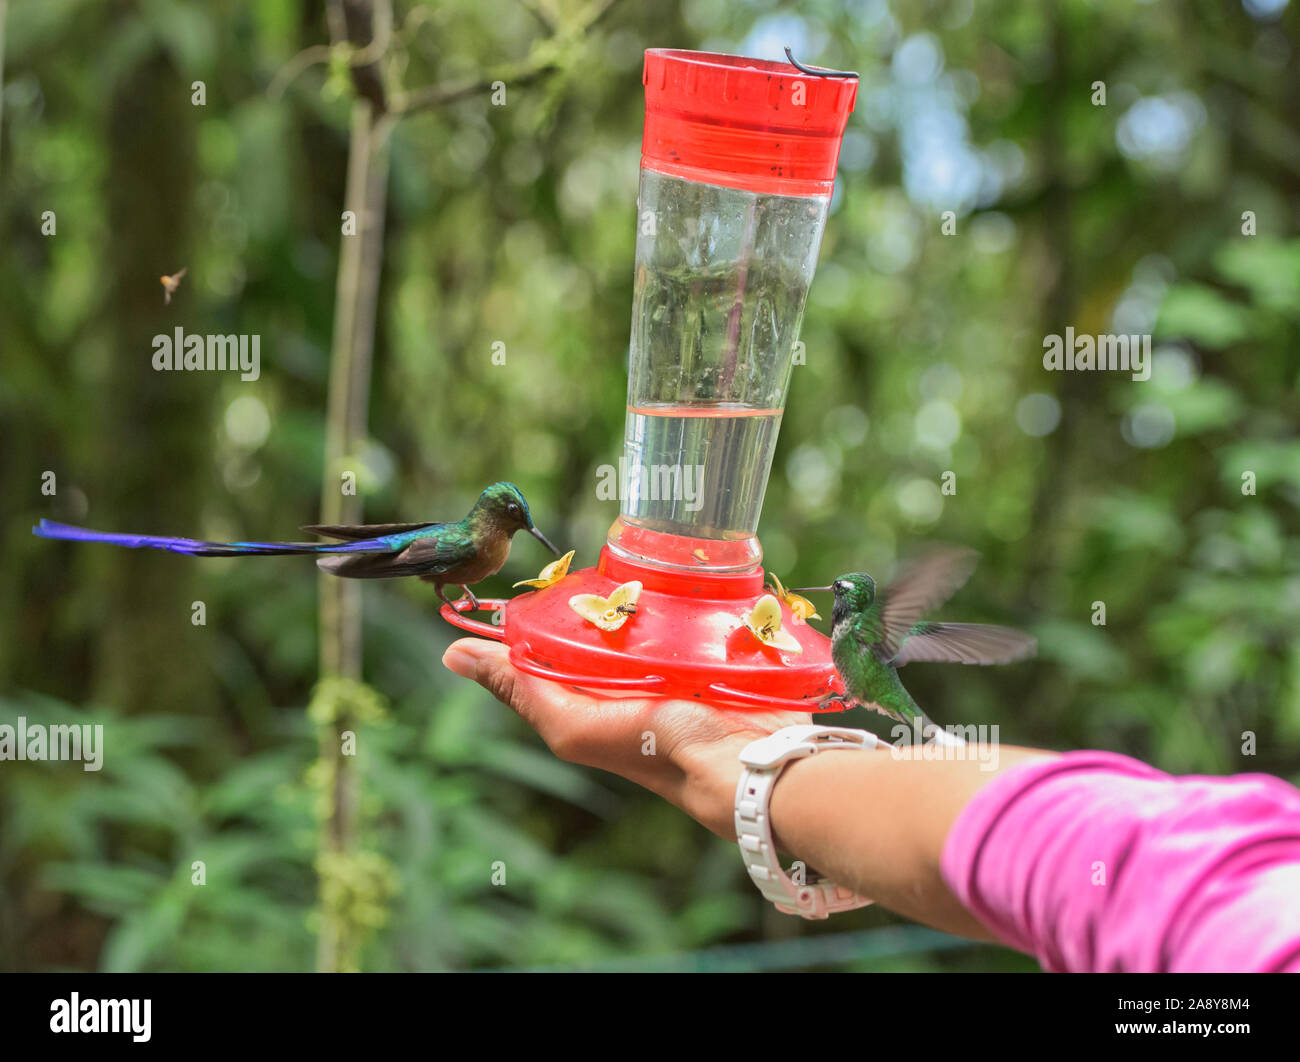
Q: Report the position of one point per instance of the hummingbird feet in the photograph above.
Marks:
(837, 702)
(465, 592)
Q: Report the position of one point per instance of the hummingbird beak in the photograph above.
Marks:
(810, 589)
(544, 540)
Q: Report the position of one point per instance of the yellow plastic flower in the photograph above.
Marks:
(551, 574)
(765, 624)
(608, 613)
(802, 608)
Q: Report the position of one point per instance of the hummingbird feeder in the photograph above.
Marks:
(738, 163)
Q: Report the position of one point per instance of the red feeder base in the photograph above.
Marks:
(687, 639)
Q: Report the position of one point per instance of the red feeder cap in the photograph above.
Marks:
(761, 126)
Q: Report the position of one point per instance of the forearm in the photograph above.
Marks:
(874, 822)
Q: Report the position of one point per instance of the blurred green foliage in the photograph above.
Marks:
(516, 224)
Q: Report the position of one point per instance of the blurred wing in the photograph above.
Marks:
(965, 643)
(920, 587)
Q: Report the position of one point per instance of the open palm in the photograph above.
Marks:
(676, 748)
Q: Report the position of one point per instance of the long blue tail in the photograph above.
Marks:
(196, 548)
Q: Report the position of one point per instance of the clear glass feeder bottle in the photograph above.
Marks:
(736, 176)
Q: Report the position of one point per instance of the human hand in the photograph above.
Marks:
(685, 751)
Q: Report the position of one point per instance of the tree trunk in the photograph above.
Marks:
(356, 298)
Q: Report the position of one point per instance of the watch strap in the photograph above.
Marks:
(763, 761)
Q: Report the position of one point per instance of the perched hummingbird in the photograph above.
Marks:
(451, 554)
(874, 634)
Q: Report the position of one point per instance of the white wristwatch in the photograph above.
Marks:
(764, 760)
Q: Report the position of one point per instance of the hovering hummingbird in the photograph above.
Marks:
(873, 633)
(451, 554)
(171, 283)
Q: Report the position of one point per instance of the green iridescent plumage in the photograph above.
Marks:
(874, 633)
(457, 553)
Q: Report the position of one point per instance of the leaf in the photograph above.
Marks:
(1207, 405)
(1199, 313)
(1268, 268)
(1137, 521)
(543, 772)
(1272, 462)
(1084, 650)
(104, 887)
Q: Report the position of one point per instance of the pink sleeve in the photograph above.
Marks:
(1095, 862)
